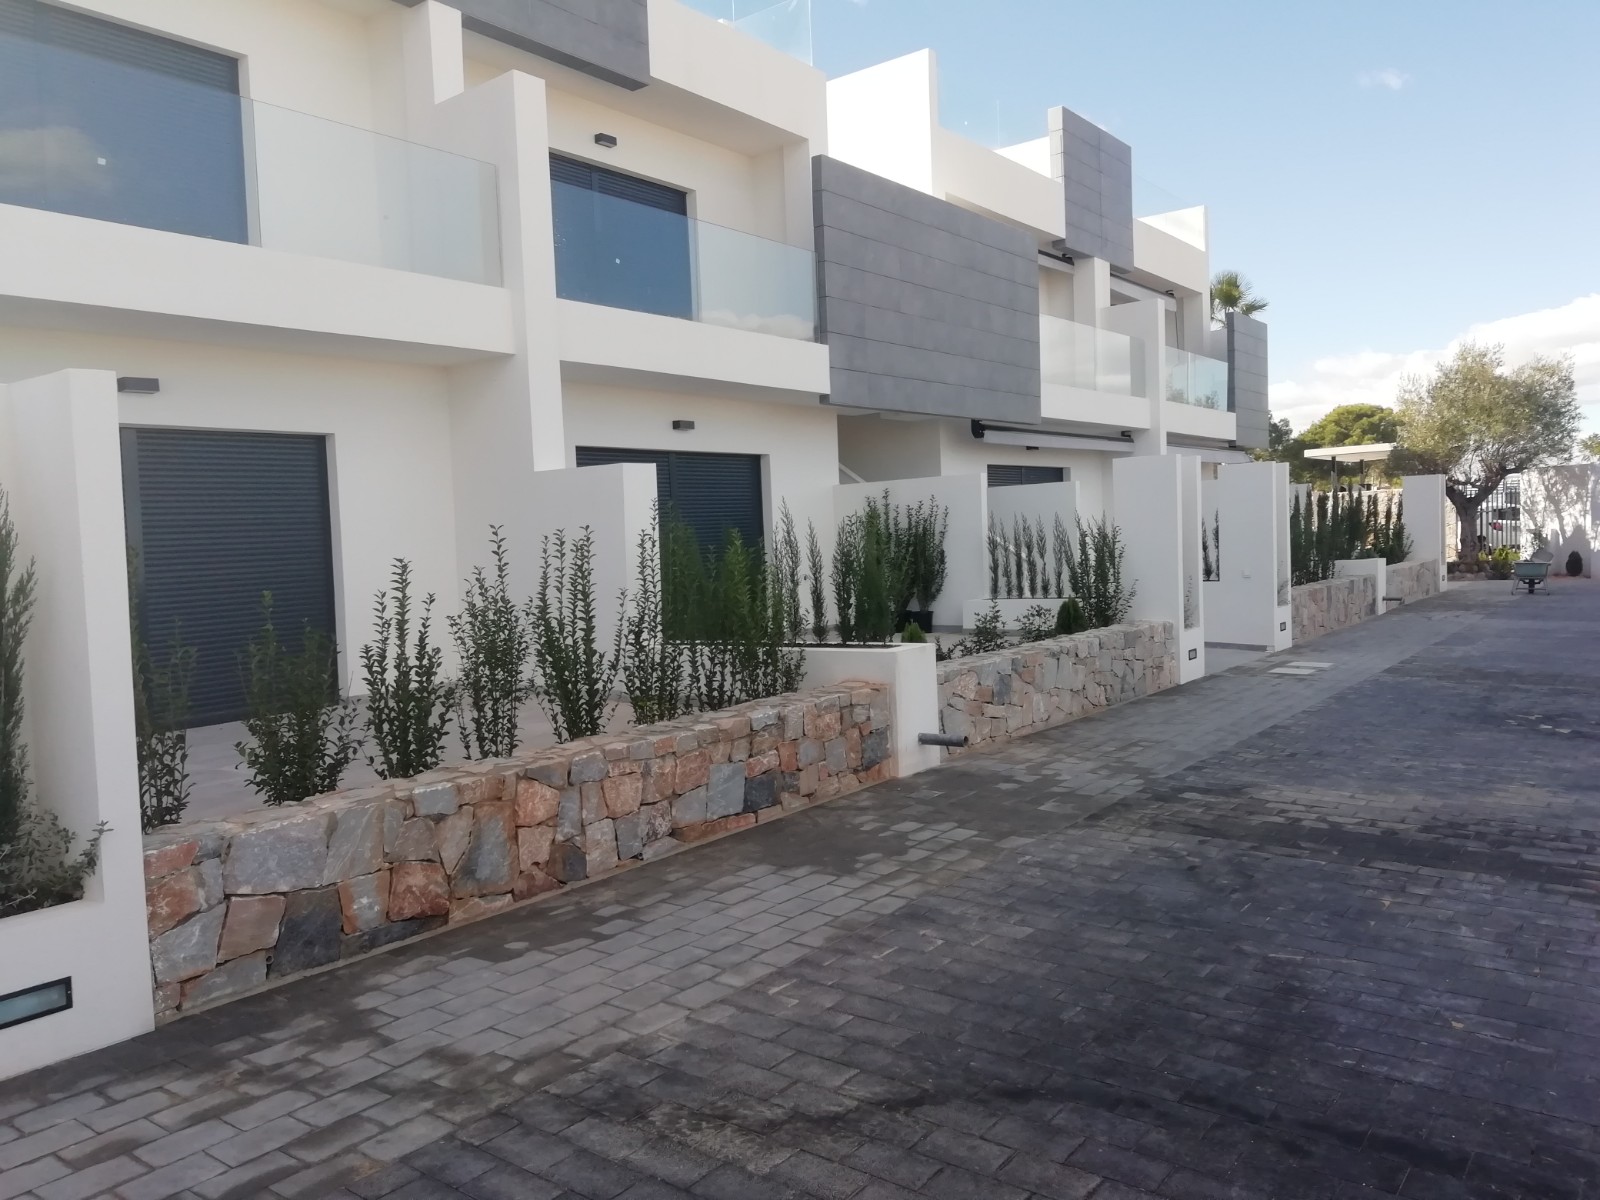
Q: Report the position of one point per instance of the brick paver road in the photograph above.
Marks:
(1300, 936)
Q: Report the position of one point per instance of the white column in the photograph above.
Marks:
(1148, 504)
(1425, 512)
(65, 486)
(432, 59)
(1247, 504)
(1142, 319)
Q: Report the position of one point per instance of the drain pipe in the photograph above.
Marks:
(951, 740)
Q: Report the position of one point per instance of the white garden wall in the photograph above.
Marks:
(63, 477)
(1246, 503)
(1562, 504)
(1162, 533)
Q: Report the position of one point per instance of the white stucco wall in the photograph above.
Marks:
(1563, 504)
(390, 476)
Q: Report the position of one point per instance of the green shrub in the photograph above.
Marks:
(37, 867)
(302, 736)
(988, 632)
(1503, 562)
(1036, 623)
(160, 714)
(494, 645)
(409, 701)
(653, 664)
(573, 677)
(1070, 617)
(816, 580)
(1095, 573)
(912, 634)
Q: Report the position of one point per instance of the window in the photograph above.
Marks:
(620, 241)
(99, 120)
(1004, 475)
(711, 493)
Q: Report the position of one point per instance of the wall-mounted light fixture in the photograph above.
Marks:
(31, 1003)
(1194, 654)
(138, 385)
(683, 426)
(1283, 626)
(608, 140)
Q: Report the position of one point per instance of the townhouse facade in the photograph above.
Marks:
(372, 276)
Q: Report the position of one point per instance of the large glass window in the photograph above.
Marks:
(620, 241)
(100, 120)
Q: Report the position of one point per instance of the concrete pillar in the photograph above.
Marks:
(1156, 502)
(64, 479)
(1426, 507)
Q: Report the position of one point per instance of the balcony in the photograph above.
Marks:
(782, 24)
(1195, 380)
(1099, 360)
(90, 137)
(622, 254)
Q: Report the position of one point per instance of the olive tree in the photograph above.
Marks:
(1476, 422)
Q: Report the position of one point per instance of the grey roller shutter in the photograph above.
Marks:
(1005, 475)
(712, 493)
(107, 40)
(216, 519)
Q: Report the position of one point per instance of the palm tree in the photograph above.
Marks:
(1230, 292)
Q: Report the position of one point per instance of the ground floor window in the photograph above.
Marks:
(215, 519)
(712, 493)
(1005, 475)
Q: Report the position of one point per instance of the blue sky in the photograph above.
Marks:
(1391, 176)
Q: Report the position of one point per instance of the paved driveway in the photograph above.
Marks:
(1313, 935)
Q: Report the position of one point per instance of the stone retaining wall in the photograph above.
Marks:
(995, 697)
(1332, 604)
(236, 903)
(1412, 581)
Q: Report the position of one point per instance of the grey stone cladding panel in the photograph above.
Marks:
(1247, 380)
(926, 307)
(608, 39)
(1096, 172)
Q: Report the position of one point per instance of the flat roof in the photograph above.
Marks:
(1371, 452)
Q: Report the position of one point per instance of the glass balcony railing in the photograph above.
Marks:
(1082, 356)
(1195, 379)
(782, 24)
(624, 254)
(91, 137)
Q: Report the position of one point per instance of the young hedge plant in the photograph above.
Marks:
(573, 677)
(37, 866)
(302, 738)
(409, 701)
(653, 663)
(495, 646)
(160, 710)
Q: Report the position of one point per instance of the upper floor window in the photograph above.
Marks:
(100, 120)
(621, 241)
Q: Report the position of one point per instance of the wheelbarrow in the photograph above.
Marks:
(1532, 573)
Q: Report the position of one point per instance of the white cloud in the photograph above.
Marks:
(1373, 377)
(1389, 78)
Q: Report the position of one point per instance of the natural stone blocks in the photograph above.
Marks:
(623, 795)
(689, 808)
(761, 792)
(435, 800)
(230, 979)
(238, 903)
(536, 802)
(311, 933)
(356, 846)
(725, 793)
(418, 889)
(489, 865)
(252, 924)
(476, 907)
(533, 846)
(630, 835)
(364, 901)
(453, 835)
(188, 949)
(414, 843)
(172, 899)
(283, 856)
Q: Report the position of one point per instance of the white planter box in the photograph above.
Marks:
(1010, 610)
(912, 676)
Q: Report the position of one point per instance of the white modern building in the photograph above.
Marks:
(369, 276)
